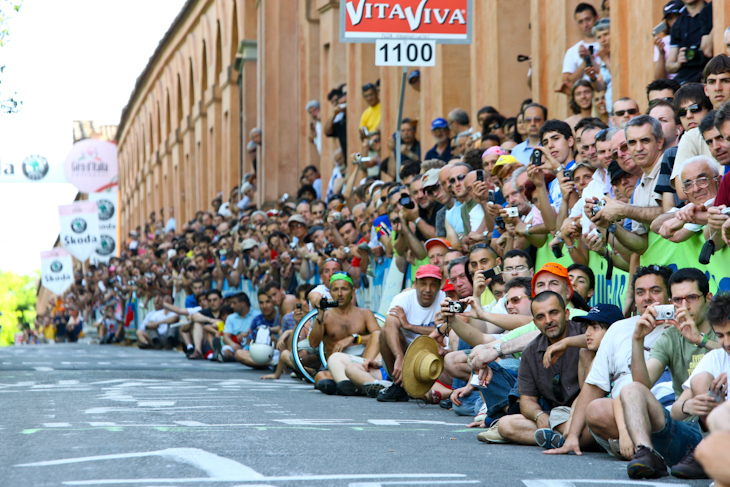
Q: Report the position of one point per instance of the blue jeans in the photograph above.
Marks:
(470, 405)
(497, 393)
(675, 439)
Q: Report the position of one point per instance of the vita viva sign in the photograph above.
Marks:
(445, 21)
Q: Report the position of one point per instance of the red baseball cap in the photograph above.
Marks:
(555, 269)
(436, 241)
(448, 287)
(428, 270)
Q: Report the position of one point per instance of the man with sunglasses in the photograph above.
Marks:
(661, 89)
(624, 109)
(442, 149)
(692, 105)
(661, 438)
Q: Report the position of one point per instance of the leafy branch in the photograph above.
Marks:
(7, 8)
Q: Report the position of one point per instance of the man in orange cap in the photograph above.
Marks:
(436, 248)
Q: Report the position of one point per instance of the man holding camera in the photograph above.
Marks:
(342, 327)
(412, 313)
(662, 439)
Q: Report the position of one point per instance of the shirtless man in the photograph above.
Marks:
(285, 302)
(340, 328)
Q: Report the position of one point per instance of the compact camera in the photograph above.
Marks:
(664, 311)
(490, 273)
(512, 212)
(567, 173)
(536, 158)
(456, 307)
(597, 207)
(406, 202)
(499, 221)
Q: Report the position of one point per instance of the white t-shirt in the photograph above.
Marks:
(476, 217)
(161, 314)
(715, 362)
(416, 314)
(611, 369)
(572, 58)
(593, 190)
(321, 289)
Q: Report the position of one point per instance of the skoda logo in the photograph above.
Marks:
(35, 167)
(107, 246)
(56, 266)
(78, 225)
(106, 209)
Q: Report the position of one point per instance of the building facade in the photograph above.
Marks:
(184, 129)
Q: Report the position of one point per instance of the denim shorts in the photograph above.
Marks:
(675, 439)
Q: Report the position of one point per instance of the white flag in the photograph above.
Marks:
(107, 205)
(57, 272)
(80, 228)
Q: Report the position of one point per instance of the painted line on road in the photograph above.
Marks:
(576, 482)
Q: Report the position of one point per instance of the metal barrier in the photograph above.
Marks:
(295, 343)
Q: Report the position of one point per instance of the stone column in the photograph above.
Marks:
(202, 165)
(497, 79)
(632, 47)
(308, 81)
(720, 22)
(332, 73)
(277, 99)
(213, 108)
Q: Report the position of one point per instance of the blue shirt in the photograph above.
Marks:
(236, 324)
(522, 152)
(453, 216)
(191, 301)
(556, 196)
(433, 154)
(259, 321)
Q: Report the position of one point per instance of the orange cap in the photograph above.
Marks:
(556, 269)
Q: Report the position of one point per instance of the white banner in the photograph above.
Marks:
(34, 168)
(57, 271)
(107, 205)
(80, 228)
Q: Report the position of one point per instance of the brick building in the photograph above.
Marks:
(179, 137)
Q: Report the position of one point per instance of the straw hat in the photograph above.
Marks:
(422, 365)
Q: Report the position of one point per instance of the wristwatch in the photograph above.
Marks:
(527, 229)
(356, 338)
(705, 339)
(417, 220)
(498, 348)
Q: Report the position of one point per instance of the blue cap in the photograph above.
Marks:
(414, 74)
(439, 123)
(602, 313)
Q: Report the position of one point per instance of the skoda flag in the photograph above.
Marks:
(80, 228)
(57, 272)
(107, 204)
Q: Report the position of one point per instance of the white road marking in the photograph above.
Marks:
(577, 482)
(57, 425)
(43, 369)
(155, 404)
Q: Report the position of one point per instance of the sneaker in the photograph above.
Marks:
(492, 435)
(372, 389)
(446, 404)
(647, 464)
(347, 388)
(189, 351)
(327, 386)
(394, 393)
(689, 468)
(156, 344)
(218, 350)
(548, 439)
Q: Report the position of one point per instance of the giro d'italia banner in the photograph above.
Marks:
(57, 272)
(80, 228)
(91, 165)
(106, 204)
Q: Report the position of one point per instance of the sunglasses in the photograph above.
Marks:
(630, 111)
(331, 259)
(623, 148)
(460, 178)
(480, 245)
(657, 100)
(694, 108)
(516, 299)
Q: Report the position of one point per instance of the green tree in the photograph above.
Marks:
(17, 301)
(7, 8)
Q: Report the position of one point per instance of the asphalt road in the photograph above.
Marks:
(111, 415)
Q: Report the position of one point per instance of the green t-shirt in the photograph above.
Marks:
(681, 356)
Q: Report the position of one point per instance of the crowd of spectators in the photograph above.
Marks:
(561, 268)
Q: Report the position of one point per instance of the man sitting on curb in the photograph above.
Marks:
(545, 393)
(343, 327)
(412, 313)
